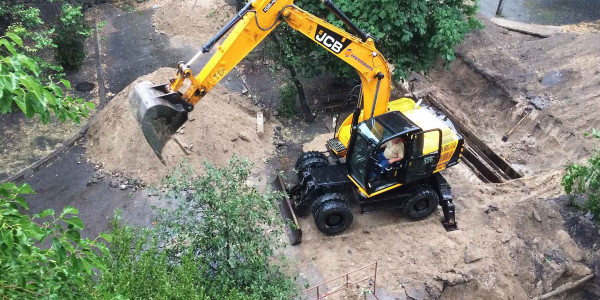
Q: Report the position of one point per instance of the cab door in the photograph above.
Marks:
(424, 154)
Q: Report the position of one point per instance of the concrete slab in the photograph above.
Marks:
(532, 29)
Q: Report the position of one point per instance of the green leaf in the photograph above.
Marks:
(74, 235)
(7, 238)
(9, 46)
(106, 236)
(15, 38)
(69, 210)
(21, 201)
(45, 213)
(66, 83)
(25, 189)
(75, 221)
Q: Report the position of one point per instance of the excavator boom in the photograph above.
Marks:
(161, 110)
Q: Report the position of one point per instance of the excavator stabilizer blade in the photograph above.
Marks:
(159, 113)
(287, 212)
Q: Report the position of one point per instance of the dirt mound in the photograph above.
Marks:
(192, 21)
(218, 127)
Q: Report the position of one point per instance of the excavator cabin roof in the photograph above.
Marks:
(391, 124)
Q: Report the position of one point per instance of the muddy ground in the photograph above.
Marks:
(517, 239)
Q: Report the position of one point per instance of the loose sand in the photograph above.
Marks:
(219, 127)
(192, 21)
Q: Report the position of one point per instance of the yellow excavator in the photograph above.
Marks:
(326, 184)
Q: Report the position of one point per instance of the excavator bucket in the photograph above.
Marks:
(287, 212)
(159, 112)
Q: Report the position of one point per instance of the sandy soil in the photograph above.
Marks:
(514, 252)
(501, 73)
(192, 21)
(219, 127)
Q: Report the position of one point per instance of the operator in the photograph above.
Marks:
(394, 151)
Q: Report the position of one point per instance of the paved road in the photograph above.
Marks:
(65, 183)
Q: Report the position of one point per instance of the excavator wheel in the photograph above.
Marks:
(326, 198)
(310, 163)
(423, 201)
(307, 155)
(333, 217)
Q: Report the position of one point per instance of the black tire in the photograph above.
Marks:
(311, 163)
(423, 201)
(333, 217)
(326, 198)
(307, 155)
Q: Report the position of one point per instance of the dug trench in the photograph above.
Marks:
(516, 240)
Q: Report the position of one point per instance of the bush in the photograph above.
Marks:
(61, 270)
(584, 181)
(287, 100)
(215, 241)
(27, 23)
(411, 34)
(20, 85)
(71, 33)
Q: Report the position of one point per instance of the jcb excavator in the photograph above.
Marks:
(352, 171)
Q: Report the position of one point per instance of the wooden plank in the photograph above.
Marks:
(532, 29)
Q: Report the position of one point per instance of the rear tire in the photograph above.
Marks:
(310, 161)
(333, 217)
(423, 201)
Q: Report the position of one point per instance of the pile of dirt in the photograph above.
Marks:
(192, 21)
(220, 126)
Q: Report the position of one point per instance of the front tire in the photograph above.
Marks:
(310, 161)
(423, 201)
(333, 217)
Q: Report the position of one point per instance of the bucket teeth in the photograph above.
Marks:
(158, 112)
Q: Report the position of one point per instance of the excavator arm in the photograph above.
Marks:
(248, 28)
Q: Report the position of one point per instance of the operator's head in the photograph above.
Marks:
(397, 140)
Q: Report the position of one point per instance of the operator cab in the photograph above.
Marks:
(421, 153)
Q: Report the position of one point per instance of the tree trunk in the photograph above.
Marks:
(308, 116)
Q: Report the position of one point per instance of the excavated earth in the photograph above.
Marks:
(221, 125)
(513, 241)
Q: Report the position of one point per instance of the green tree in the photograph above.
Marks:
(27, 23)
(411, 34)
(584, 181)
(31, 270)
(20, 85)
(71, 33)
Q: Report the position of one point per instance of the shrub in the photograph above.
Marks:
(61, 270)
(20, 85)
(214, 241)
(287, 100)
(71, 33)
(584, 181)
